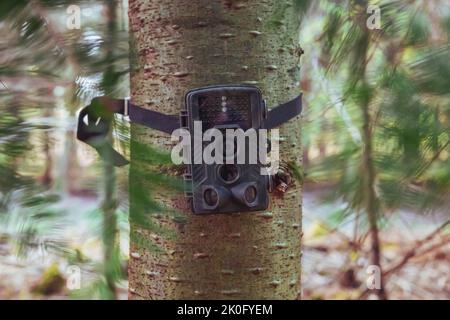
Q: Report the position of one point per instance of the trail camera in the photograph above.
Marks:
(227, 187)
(231, 186)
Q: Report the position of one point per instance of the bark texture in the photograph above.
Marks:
(184, 44)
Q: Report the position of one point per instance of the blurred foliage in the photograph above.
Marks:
(403, 79)
(40, 57)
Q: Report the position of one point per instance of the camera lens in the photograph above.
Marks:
(228, 173)
(211, 197)
(250, 194)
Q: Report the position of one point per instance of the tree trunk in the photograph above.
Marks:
(371, 200)
(184, 44)
(109, 205)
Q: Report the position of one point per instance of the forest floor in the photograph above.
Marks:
(334, 264)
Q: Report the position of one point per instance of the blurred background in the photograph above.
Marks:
(376, 131)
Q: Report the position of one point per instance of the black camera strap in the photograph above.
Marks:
(283, 113)
(94, 122)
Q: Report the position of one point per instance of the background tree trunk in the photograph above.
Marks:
(111, 268)
(184, 44)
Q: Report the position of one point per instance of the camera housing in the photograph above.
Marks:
(238, 187)
(226, 188)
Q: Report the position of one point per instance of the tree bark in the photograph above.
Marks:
(184, 44)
